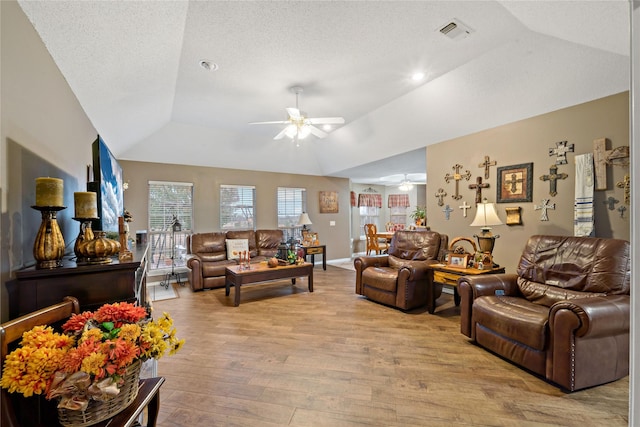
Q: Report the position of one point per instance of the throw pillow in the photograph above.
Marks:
(235, 247)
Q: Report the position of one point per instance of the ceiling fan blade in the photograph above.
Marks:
(294, 113)
(326, 121)
(281, 134)
(280, 122)
(317, 132)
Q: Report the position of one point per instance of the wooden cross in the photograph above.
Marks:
(447, 212)
(611, 202)
(553, 177)
(561, 151)
(600, 154)
(621, 209)
(478, 186)
(457, 176)
(486, 165)
(625, 184)
(544, 207)
(513, 181)
(440, 195)
(464, 208)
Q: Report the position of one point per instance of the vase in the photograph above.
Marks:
(48, 247)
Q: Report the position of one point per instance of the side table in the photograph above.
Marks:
(316, 250)
(448, 275)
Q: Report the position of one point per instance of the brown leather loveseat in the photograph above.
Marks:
(402, 278)
(564, 315)
(209, 254)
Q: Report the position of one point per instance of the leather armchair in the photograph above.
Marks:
(563, 316)
(402, 278)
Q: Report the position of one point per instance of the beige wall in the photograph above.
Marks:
(524, 142)
(206, 187)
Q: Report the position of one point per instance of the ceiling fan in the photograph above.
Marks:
(404, 182)
(299, 125)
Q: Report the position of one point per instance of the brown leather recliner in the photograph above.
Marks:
(564, 315)
(402, 278)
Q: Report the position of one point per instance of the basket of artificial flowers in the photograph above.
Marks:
(93, 366)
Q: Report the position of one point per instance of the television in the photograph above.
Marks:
(107, 177)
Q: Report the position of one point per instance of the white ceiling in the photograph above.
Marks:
(134, 67)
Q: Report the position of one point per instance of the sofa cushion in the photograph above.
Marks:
(398, 263)
(415, 245)
(268, 242)
(384, 278)
(236, 247)
(587, 264)
(250, 235)
(513, 318)
(209, 246)
(547, 295)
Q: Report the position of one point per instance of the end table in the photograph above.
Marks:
(316, 250)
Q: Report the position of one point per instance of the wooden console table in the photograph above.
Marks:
(449, 276)
(92, 285)
(316, 250)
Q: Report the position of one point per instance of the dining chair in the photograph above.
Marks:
(373, 241)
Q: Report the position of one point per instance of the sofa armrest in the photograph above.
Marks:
(195, 273)
(361, 263)
(472, 287)
(589, 341)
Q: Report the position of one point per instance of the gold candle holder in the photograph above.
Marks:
(48, 248)
(86, 234)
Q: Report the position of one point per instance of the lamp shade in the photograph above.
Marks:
(486, 215)
(304, 219)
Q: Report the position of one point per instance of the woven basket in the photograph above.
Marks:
(100, 411)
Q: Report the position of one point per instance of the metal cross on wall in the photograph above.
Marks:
(447, 212)
(457, 176)
(486, 165)
(544, 207)
(625, 184)
(561, 151)
(464, 208)
(621, 209)
(478, 186)
(611, 203)
(440, 195)
(553, 178)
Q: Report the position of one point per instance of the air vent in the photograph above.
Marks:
(455, 30)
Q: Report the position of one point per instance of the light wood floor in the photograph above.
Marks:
(287, 357)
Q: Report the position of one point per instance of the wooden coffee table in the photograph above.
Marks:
(260, 272)
(448, 275)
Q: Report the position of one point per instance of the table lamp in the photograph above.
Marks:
(304, 221)
(486, 216)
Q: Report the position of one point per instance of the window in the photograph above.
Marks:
(369, 206)
(398, 215)
(170, 203)
(291, 203)
(237, 207)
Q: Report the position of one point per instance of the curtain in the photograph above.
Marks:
(398, 201)
(370, 200)
(353, 199)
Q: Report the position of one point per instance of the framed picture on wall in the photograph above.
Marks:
(515, 183)
(328, 202)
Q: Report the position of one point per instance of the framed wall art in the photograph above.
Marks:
(328, 202)
(515, 183)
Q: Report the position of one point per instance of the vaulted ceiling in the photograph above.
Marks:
(135, 68)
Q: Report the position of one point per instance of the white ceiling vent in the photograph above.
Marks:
(455, 30)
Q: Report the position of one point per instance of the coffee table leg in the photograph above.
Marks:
(227, 288)
(236, 295)
(311, 280)
(293, 281)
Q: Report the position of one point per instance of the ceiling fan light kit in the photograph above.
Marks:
(299, 126)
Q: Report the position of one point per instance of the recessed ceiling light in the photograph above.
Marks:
(327, 127)
(209, 65)
(416, 77)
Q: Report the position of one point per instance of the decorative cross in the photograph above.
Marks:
(561, 151)
(621, 209)
(611, 203)
(440, 195)
(457, 176)
(545, 206)
(478, 186)
(513, 182)
(553, 177)
(464, 208)
(486, 165)
(625, 184)
(447, 212)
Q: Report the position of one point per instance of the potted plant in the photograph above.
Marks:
(419, 215)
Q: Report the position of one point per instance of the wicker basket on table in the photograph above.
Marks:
(99, 411)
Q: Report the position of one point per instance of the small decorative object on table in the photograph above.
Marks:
(48, 247)
(93, 367)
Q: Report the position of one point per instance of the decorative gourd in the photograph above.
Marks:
(272, 262)
(98, 248)
(49, 243)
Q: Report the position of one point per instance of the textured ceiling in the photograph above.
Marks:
(133, 66)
